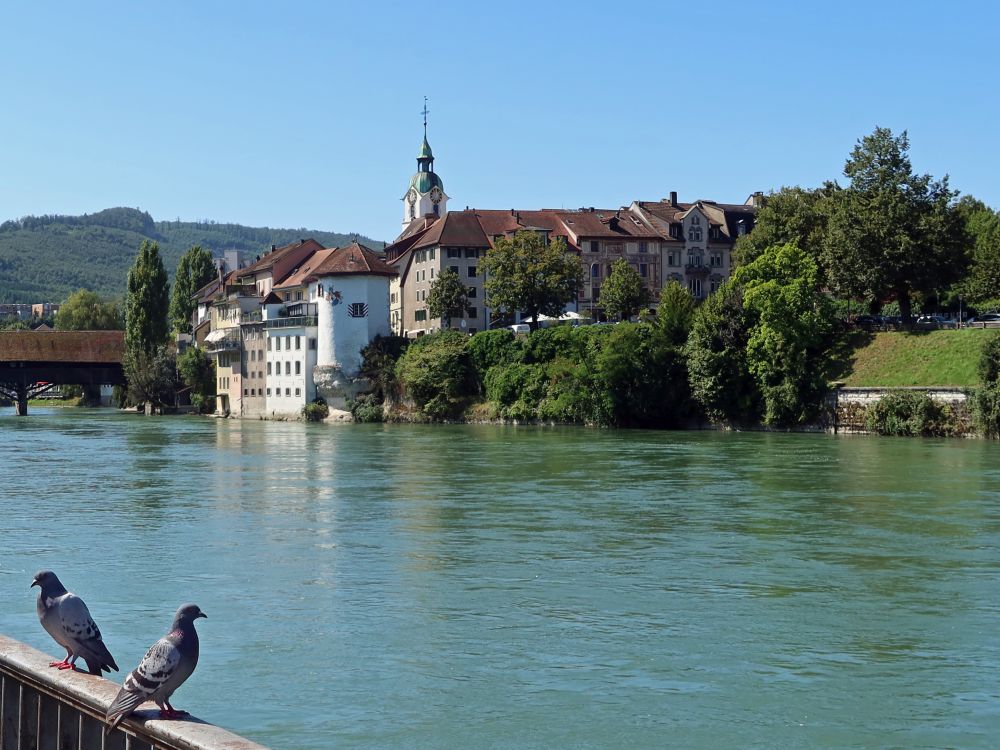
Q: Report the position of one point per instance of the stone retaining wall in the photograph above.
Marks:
(847, 406)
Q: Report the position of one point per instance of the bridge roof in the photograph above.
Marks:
(84, 347)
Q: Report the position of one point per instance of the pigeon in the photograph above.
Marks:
(164, 668)
(66, 618)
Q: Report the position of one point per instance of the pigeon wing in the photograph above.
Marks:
(156, 668)
(80, 630)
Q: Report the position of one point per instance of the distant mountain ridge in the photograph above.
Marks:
(46, 258)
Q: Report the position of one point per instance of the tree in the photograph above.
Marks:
(983, 225)
(623, 293)
(675, 313)
(892, 233)
(789, 319)
(793, 214)
(448, 297)
(526, 274)
(146, 357)
(720, 380)
(146, 301)
(197, 371)
(194, 270)
(84, 310)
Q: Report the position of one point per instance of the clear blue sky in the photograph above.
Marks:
(306, 114)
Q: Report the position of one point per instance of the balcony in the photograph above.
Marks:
(297, 321)
(693, 270)
(254, 316)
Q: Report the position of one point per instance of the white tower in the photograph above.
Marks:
(426, 192)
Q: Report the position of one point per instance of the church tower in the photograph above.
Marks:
(426, 192)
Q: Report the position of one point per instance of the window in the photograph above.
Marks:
(694, 286)
(268, 368)
(298, 367)
(268, 391)
(253, 355)
(298, 391)
(246, 392)
(595, 246)
(473, 312)
(715, 260)
(643, 270)
(420, 315)
(643, 247)
(269, 343)
(471, 293)
(298, 296)
(471, 252)
(432, 253)
(288, 391)
(312, 345)
(595, 270)
(392, 297)
(432, 273)
(288, 368)
(453, 269)
(472, 272)
(360, 309)
(298, 342)
(714, 287)
(454, 252)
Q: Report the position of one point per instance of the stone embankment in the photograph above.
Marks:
(847, 406)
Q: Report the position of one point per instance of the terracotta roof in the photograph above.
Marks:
(273, 256)
(212, 288)
(96, 347)
(300, 275)
(353, 259)
(272, 298)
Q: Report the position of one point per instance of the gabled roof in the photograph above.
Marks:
(300, 276)
(354, 259)
(272, 298)
(208, 292)
(268, 260)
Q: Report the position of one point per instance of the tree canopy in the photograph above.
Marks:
(982, 286)
(527, 274)
(448, 297)
(892, 233)
(146, 301)
(623, 293)
(84, 310)
(194, 270)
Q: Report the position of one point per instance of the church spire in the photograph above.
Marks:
(425, 195)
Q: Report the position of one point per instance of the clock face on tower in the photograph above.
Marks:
(412, 196)
(435, 195)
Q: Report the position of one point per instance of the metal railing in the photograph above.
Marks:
(301, 320)
(45, 709)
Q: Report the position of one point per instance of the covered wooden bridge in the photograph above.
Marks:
(31, 362)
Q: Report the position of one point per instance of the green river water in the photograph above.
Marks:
(403, 586)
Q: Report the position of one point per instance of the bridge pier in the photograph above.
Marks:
(21, 401)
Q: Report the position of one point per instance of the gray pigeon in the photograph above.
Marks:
(66, 618)
(163, 669)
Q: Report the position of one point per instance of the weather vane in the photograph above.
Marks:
(425, 112)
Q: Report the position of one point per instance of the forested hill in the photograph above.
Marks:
(46, 258)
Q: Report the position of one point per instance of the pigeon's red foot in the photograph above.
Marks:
(64, 664)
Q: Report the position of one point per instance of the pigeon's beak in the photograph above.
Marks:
(202, 614)
(33, 584)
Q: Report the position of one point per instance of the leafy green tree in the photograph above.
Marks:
(675, 312)
(151, 376)
(892, 233)
(526, 274)
(789, 320)
(435, 372)
(983, 225)
(721, 383)
(448, 297)
(623, 293)
(197, 372)
(149, 366)
(194, 270)
(146, 301)
(84, 310)
(792, 214)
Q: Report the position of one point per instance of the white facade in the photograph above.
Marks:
(291, 355)
(352, 309)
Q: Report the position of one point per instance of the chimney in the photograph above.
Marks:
(273, 248)
(673, 198)
(757, 199)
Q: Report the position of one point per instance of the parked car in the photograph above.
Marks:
(933, 322)
(990, 317)
(520, 328)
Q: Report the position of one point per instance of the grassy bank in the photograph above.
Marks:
(922, 359)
